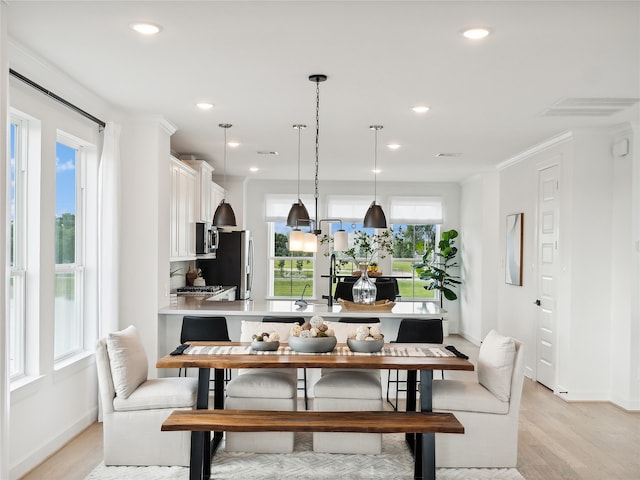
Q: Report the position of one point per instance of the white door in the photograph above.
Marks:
(547, 225)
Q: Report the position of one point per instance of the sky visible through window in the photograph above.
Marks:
(65, 179)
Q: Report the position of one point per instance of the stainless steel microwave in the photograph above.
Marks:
(206, 238)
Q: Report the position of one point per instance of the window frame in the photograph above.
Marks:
(415, 279)
(272, 258)
(16, 288)
(78, 266)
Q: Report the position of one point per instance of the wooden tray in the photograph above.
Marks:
(370, 274)
(379, 306)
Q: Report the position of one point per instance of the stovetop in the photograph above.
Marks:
(193, 290)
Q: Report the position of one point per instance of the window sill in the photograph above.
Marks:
(68, 366)
(25, 387)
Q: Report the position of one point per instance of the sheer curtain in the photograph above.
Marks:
(108, 228)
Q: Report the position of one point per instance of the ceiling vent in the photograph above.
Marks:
(589, 107)
(267, 152)
(448, 154)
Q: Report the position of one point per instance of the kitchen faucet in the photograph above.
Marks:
(302, 303)
(332, 279)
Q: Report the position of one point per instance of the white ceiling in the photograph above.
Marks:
(252, 61)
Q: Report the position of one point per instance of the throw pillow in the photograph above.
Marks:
(128, 360)
(495, 364)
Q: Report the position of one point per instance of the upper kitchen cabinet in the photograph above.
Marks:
(217, 195)
(204, 207)
(182, 224)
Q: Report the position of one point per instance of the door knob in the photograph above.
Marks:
(537, 302)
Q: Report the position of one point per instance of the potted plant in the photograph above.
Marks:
(366, 247)
(436, 267)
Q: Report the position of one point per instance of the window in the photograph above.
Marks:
(416, 223)
(69, 285)
(16, 216)
(289, 272)
(410, 244)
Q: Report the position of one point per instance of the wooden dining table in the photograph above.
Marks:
(393, 356)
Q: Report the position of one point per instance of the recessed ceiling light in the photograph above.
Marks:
(393, 146)
(376, 171)
(233, 144)
(476, 33)
(253, 169)
(420, 109)
(145, 28)
(204, 106)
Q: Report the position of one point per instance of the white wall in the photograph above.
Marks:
(255, 191)
(144, 237)
(597, 284)
(625, 323)
(480, 256)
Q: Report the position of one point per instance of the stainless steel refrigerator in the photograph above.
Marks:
(233, 263)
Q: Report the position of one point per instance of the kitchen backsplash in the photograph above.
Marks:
(179, 277)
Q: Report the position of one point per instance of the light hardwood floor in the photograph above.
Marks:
(557, 440)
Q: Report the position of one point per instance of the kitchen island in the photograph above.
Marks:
(170, 316)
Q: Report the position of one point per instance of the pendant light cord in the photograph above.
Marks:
(299, 127)
(375, 168)
(317, 146)
(226, 126)
(224, 187)
(375, 128)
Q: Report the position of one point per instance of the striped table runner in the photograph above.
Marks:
(339, 350)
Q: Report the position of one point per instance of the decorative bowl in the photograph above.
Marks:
(365, 346)
(312, 345)
(265, 346)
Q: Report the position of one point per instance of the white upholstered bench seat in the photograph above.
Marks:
(262, 389)
(159, 393)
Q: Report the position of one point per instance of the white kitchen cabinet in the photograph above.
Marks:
(204, 206)
(182, 223)
(217, 195)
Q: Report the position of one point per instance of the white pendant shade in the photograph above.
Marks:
(341, 241)
(296, 240)
(310, 243)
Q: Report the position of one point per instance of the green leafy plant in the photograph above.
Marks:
(365, 248)
(436, 267)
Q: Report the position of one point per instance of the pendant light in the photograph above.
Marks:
(224, 216)
(298, 214)
(374, 218)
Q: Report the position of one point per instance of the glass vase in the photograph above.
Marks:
(364, 290)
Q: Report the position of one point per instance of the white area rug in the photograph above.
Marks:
(395, 463)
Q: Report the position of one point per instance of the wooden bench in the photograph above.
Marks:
(311, 421)
(409, 423)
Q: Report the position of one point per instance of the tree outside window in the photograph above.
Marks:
(289, 271)
(410, 244)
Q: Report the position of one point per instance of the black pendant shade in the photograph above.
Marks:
(298, 215)
(374, 218)
(224, 216)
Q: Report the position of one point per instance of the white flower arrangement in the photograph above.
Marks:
(314, 328)
(367, 332)
(266, 337)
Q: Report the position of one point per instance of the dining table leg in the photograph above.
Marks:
(411, 405)
(425, 446)
(200, 441)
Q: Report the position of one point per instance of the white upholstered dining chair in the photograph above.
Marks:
(134, 407)
(488, 407)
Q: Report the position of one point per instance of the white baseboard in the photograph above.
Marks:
(36, 457)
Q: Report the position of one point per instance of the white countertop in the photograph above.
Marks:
(195, 305)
